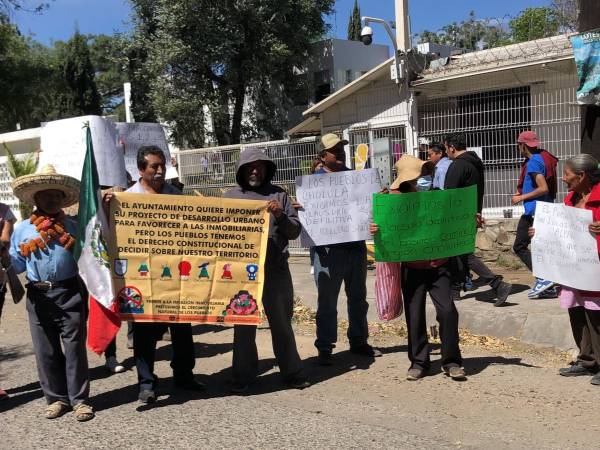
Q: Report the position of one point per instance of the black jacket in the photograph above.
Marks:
(280, 230)
(465, 171)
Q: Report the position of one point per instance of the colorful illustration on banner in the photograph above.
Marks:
(184, 270)
(204, 271)
(227, 272)
(120, 267)
(252, 270)
(166, 272)
(143, 270)
(130, 300)
(242, 304)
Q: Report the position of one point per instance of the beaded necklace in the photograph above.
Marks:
(50, 229)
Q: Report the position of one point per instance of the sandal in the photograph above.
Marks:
(83, 412)
(57, 409)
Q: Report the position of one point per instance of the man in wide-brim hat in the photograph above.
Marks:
(42, 247)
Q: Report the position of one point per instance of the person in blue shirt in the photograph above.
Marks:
(535, 189)
(41, 246)
(437, 155)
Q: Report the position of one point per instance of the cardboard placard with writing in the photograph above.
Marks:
(336, 207)
(63, 144)
(563, 250)
(134, 135)
(425, 225)
(182, 258)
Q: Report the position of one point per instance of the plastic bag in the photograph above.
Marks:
(388, 292)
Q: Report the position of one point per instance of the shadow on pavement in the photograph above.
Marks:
(489, 295)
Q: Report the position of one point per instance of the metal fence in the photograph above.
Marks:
(211, 171)
(492, 120)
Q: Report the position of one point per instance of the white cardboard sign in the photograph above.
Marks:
(563, 250)
(134, 135)
(336, 207)
(63, 144)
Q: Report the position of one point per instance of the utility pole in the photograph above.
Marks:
(588, 18)
(403, 44)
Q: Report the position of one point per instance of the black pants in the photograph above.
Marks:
(278, 302)
(111, 350)
(145, 337)
(460, 267)
(522, 240)
(416, 283)
(585, 324)
(57, 321)
(2, 298)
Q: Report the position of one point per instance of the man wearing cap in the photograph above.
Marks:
(339, 263)
(41, 246)
(534, 189)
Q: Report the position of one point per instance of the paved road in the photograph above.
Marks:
(513, 399)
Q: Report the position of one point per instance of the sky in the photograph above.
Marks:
(108, 16)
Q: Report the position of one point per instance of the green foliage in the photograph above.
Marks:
(354, 23)
(471, 34)
(80, 94)
(18, 167)
(534, 23)
(234, 59)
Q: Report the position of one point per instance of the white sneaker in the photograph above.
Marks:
(312, 270)
(113, 365)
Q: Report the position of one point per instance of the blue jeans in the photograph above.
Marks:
(332, 266)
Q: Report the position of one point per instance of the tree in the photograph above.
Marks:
(80, 96)
(470, 34)
(534, 23)
(566, 13)
(354, 23)
(109, 60)
(19, 166)
(27, 80)
(231, 59)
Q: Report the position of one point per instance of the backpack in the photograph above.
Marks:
(551, 165)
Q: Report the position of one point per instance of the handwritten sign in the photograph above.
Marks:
(563, 250)
(425, 225)
(336, 206)
(178, 258)
(63, 145)
(132, 136)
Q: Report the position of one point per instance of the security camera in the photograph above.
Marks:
(366, 35)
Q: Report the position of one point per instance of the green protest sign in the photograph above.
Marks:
(425, 225)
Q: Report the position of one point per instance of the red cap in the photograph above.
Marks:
(529, 138)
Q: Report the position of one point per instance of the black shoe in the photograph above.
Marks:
(298, 383)
(365, 350)
(147, 396)
(596, 379)
(502, 292)
(325, 358)
(575, 370)
(189, 384)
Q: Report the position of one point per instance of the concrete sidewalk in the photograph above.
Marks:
(539, 322)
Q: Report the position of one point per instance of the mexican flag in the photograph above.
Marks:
(92, 258)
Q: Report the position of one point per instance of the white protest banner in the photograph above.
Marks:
(63, 145)
(336, 207)
(136, 134)
(563, 250)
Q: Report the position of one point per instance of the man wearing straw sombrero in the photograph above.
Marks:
(41, 246)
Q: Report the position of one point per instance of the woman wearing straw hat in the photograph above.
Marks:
(420, 278)
(56, 299)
